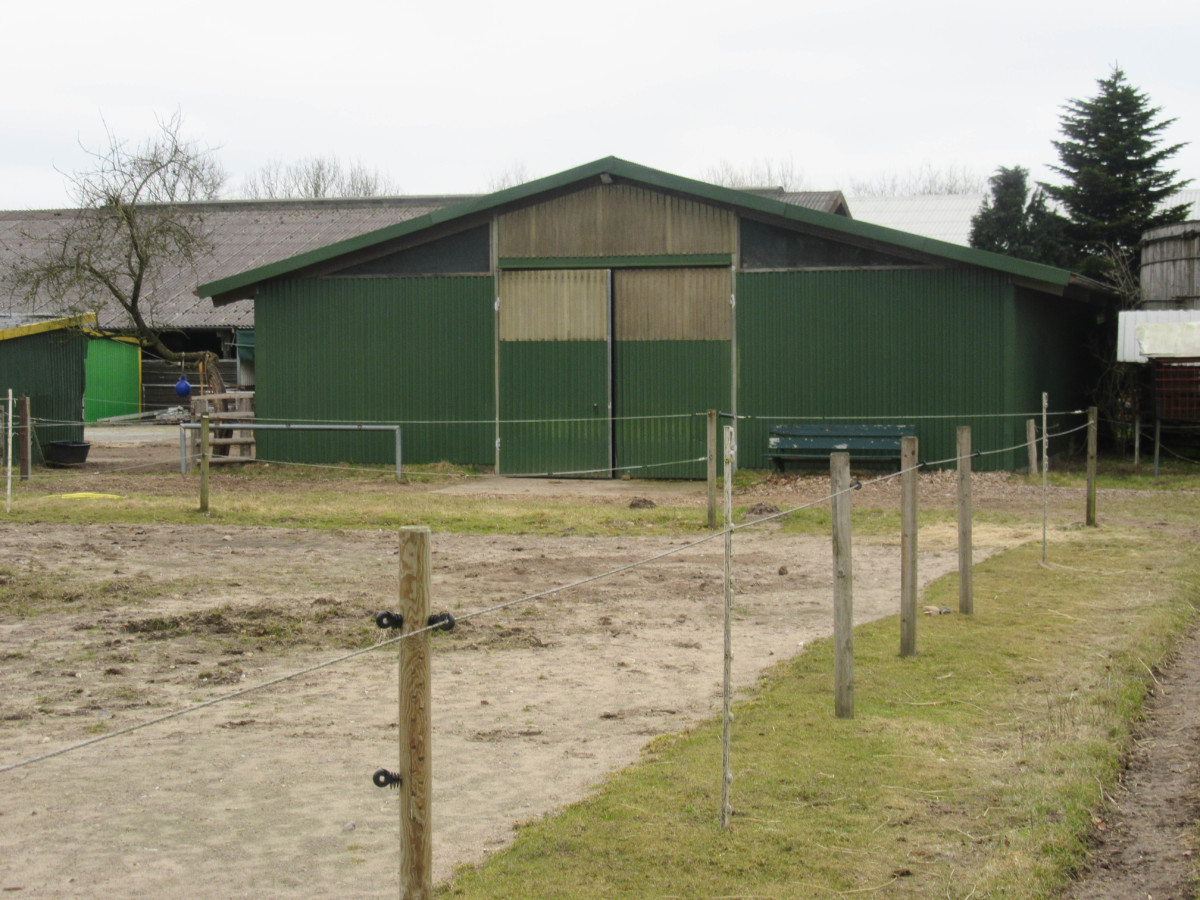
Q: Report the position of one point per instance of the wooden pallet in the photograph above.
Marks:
(227, 444)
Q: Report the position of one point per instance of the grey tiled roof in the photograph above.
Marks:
(244, 234)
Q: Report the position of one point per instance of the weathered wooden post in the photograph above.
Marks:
(908, 546)
(8, 436)
(416, 761)
(727, 682)
(843, 588)
(712, 469)
(1091, 466)
(1137, 441)
(24, 437)
(966, 556)
(1031, 445)
(205, 451)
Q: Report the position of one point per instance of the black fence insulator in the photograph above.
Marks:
(383, 778)
(977, 453)
(922, 464)
(856, 486)
(442, 620)
(387, 619)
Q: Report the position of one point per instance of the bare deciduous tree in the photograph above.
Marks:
(133, 224)
(781, 173)
(515, 174)
(927, 179)
(316, 177)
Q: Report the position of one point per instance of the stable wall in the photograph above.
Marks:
(48, 368)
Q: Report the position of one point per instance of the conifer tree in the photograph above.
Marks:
(1017, 223)
(1115, 184)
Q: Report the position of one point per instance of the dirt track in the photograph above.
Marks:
(270, 794)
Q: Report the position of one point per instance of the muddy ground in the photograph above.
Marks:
(270, 793)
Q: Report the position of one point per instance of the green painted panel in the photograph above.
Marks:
(48, 369)
(413, 351)
(879, 346)
(672, 384)
(114, 382)
(565, 382)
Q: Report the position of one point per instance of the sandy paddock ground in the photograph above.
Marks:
(270, 794)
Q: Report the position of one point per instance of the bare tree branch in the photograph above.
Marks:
(133, 224)
(315, 177)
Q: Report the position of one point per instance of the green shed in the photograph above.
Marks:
(583, 323)
(43, 359)
(114, 378)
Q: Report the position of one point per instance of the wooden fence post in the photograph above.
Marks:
(1031, 445)
(843, 588)
(712, 469)
(966, 553)
(1091, 466)
(1137, 440)
(727, 682)
(205, 451)
(416, 697)
(908, 545)
(25, 437)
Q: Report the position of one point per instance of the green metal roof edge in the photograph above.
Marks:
(634, 172)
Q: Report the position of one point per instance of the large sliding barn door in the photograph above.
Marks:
(554, 371)
(671, 363)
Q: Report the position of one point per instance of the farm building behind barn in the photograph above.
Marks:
(42, 358)
(586, 321)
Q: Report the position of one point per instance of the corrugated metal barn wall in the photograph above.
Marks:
(48, 368)
(885, 343)
(378, 350)
(1057, 351)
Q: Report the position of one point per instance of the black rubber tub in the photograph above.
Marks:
(66, 453)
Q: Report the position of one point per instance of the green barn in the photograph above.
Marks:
(43, 359)
(583, 323)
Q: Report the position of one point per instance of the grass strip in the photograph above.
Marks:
(976, 769)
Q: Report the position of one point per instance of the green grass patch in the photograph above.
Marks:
(358, 504)
(971, 770)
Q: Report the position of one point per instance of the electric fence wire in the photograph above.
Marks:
(213, 701)
(610, 573)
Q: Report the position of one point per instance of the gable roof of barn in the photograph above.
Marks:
(768, 205)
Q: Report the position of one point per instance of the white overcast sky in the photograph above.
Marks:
(444, 97)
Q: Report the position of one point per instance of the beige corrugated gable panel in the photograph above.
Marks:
(616, 220)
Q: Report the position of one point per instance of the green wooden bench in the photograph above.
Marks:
(810, 443)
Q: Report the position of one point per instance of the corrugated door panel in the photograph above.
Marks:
(616, 220)
(849, 345)
(672, 384)
(554, 305)
(672, 304)
(554, 407)
(113, 384)
(378, 350)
